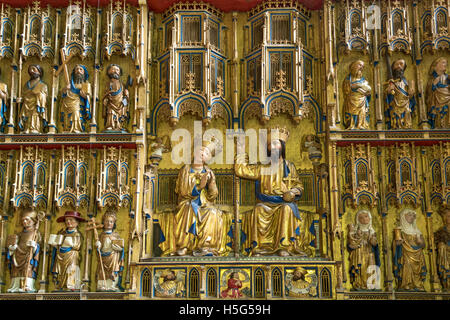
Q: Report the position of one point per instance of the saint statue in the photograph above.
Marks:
(442, 240)
(357, 92)
(23, 254)
(400, 99)
(111, 247)
(76, 96)
(199, 227)
(363, 247)
(3, 104)
(409, 260)
(65, 265)
(33, 114)
(115, 101)
(274, 225)
(438, 94)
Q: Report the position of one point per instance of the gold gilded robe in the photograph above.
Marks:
(115, 108)
(20, 259)
(438, 101)
(409, 264)
(71, 108)
(356, 103)
(66, 261)
(273, 225)
(33, 114)
(362, 255)
(400, 105)
(442, 240)
(112, 259)
(197, 223)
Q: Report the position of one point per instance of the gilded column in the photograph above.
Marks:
(55, 80)
(12, 101)
(387, 252)
(422, 109)
(95, 99)
(2, 248)
(378, 84)
(235, 79)
(426, 176)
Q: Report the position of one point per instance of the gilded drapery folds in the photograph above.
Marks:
(362, 244)
(357, 94)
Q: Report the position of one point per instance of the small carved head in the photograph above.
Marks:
(114, 71)
(439, 66)
(29, 218)
(356, 68)
(35, 71)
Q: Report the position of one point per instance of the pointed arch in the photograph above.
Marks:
(194, 283)
(146, 283)
(211, 283)
(277, 283)
(260, 285)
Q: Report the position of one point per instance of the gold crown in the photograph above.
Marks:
(110, 212)
(283, 134)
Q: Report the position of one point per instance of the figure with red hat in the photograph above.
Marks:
(66, 257)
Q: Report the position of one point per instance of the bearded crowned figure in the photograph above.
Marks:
(363, 247)
(442, 240)
(115, 101)
(33, 113)
(23, 254)
(274, 225)
(409, 260)
(438, 94)
(357, 92)
(400, 99)
(76, 110)
(198, 227)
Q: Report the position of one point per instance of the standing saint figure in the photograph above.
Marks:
(438, 94)
(400, 99)
(357, 92)
(115, 101)
(3, 105)
(198, 228)
(409, 260)
(66, 257)
(33, 113)
(363, 247)
(23, 254)
(274, 226)
(76, 96)
(111, 247)
(442, 240)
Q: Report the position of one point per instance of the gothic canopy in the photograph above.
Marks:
(162, 5)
